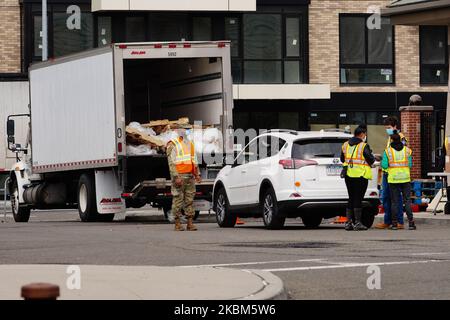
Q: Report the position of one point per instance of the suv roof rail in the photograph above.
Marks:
(282, 130)
(335, 130)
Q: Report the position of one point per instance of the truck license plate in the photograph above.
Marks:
(202, 205)
(334, 170)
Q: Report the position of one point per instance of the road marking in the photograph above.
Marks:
(429, 253)
(353, 265)
(251, 263)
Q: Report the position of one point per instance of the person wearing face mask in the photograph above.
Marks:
(392, 127)
(184, 173)
(357, 159)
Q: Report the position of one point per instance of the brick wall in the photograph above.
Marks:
(412, 128)
(324, 48)
(10, 48)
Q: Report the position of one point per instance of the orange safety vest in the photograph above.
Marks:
(185, 160)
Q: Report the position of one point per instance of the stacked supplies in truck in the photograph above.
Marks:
(151, 138)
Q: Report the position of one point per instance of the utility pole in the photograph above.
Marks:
(44, 31)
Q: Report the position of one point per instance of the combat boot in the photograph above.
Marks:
(412, 225)
(358, 224)
(178, 225)
(349, 222)
(190, 225)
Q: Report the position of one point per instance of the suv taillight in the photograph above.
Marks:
(296, 163)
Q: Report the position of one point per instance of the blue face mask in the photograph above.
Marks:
(390, 131)
(188, 132)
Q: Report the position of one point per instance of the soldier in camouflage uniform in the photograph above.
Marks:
(184, 172)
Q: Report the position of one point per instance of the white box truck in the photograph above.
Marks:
(80, 106)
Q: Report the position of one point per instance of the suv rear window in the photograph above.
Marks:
(317, 148)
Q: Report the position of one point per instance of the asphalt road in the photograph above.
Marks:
(327, 263)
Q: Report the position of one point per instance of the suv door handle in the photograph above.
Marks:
(243, 171)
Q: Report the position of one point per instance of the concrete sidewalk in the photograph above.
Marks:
(145, 282)
(427, 218)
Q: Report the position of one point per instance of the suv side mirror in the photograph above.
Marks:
(10, 127)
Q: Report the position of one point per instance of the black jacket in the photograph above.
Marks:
(397, 146)
(367, 153)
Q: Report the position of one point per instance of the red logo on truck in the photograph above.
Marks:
(137, 53)
(110, 201)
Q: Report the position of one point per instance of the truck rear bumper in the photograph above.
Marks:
(159, 191)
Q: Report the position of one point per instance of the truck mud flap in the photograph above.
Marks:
(108, 192)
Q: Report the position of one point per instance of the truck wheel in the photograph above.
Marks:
(87, 206)
(312, 221)
(20, 214)
(270, 213)
(224, 218)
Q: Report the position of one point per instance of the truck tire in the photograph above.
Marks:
(224, 217)
(270, 213)
(87, 206)
(20, 214)
(312, 221)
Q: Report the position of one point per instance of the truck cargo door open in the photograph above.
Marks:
(169, 88)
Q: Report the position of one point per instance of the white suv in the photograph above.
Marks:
(299, 176)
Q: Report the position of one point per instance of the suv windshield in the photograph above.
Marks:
(317, 148)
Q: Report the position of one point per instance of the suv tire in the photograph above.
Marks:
(224, 217)
(269, 209)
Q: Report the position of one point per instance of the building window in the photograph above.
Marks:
(201, 29)
(268, 46)
(349, 120)
(366, 55)
(37, 36)
(168, 27)
(433, 55)
(104, 31)
(233, 33)
(135, 29)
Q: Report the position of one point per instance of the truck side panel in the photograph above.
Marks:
(73, 114)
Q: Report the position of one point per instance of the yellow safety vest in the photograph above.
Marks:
(186, 158)
(389, 141)
(446, 146)
(399, 171)
(355, 162)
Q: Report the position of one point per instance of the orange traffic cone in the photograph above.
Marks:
(340, 220)
(239, 221)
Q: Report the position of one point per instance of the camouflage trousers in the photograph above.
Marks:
(183, 197)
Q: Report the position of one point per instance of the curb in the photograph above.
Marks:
(109, 282)
(422, 220)
(273, 287)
